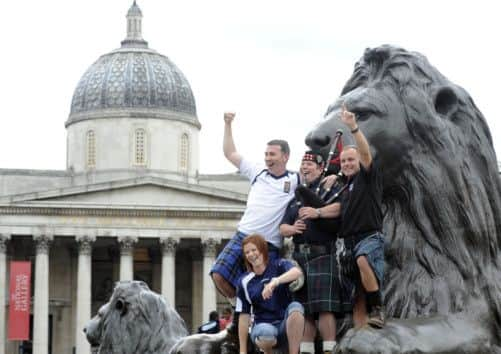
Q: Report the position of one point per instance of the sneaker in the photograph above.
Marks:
(232, 301)
(376, 317)
(329, 347)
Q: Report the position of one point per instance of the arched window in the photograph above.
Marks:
(140, 147)
(91, 149)
(184, 153)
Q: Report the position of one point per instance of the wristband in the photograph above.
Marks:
(277, 282)
(355, 130)
(319, 213)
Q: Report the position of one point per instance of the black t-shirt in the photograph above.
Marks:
(315, 233)
(361, 203)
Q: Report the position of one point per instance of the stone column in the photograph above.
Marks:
(41, 302)
(197, 294)
(209, 290)
(3, 288)
(84, 291)
(127, 257)
(169, 245)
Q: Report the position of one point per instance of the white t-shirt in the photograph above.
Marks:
(267, 200)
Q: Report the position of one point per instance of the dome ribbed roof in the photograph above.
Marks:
(133, 79)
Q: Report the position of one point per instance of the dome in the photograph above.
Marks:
(133, 80)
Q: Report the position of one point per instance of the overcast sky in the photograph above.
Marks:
(277, 63)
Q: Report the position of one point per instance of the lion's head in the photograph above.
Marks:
(135, 321)
(442, 190)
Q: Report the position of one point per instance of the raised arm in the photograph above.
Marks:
(364, 151)
(230, 152)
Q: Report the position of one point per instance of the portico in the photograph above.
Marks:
(79, 253)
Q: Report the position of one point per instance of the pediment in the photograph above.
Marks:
(146, 191)
(148, 194)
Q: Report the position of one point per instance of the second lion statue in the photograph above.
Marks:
(137, 320)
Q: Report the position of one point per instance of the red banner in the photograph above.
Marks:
(19, 304)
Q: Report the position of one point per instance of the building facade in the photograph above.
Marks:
(129, 205)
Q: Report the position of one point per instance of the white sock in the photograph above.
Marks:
(232, 301)
(307, 347)
(328, 345)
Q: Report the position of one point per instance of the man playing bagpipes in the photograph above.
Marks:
(324, 293)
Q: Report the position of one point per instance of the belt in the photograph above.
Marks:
(307, 248)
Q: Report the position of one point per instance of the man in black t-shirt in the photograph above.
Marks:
(362, 222)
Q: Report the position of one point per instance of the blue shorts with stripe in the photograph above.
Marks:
(230, 262)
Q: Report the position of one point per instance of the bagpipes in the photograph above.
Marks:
(315, 199)
(347, 267)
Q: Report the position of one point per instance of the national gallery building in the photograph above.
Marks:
(129, 205)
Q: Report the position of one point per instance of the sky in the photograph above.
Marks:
(278, 64)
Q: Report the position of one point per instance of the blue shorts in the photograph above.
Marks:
(230, 262)
(372, 247)
(277, 330)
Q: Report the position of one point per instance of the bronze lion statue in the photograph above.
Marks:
(135, 321)
(442, 205)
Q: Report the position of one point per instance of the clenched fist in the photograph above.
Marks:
(228, 117)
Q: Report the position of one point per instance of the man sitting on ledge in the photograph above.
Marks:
(361, 224)
(272, 187)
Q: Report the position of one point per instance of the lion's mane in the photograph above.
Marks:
(442, 189)
(135, 321)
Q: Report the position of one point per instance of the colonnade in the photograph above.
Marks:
(84, 279)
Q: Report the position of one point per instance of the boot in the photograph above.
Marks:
(376, 317)
(231, 343)
(376, 309)
(232, 328)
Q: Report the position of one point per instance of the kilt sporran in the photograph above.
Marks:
(345, 260)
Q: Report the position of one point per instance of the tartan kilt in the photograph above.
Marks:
(324, 290)
(230, 263)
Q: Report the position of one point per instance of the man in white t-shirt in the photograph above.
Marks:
(272, 187)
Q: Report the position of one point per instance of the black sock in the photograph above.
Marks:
(374, 298)
(234, 322)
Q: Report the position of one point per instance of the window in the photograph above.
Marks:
(91, 149)
(140, 147)
(184, 153)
